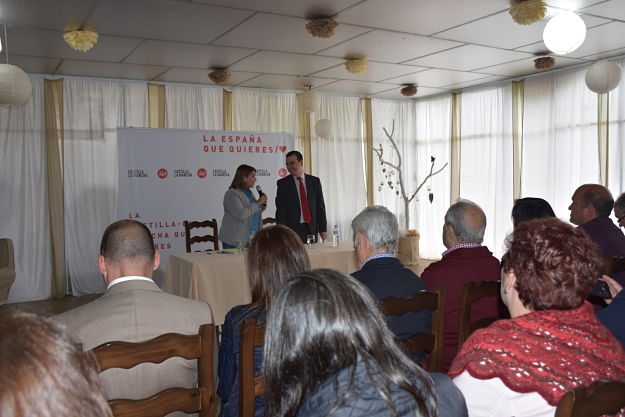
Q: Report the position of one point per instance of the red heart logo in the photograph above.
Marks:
(282, 148)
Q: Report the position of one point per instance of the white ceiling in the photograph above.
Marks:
(441, 45)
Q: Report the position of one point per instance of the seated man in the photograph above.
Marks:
(465, 260)
(619, 210)
(135, 309)
(376, 233)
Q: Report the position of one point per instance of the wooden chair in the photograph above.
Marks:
(269, 220)
(471, 293)
(429, 342)
(189, 240)
(615, 265)
(599, 398)
(127, 355)
(251, 386)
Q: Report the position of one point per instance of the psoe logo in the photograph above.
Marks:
(162, 173)
(201, 173)
(262, 172)
(282, 172)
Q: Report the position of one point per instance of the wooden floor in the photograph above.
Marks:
(53, 307)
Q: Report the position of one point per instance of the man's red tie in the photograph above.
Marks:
(303, 199)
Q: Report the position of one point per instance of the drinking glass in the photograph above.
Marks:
(310, 239)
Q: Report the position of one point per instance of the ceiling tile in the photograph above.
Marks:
(526, 67)
(437, 78)
(283, 33)
(358, 88)
(483, 31)
(166, 20)
(614, 9)
(109, 70)
(301, 8)
(486, 80)
(395, 93)
(468, 57)
(376, 71)
(285, 82)
(422, 17)
(44, 13)
(375, 46)
(573, 4)
(185, 54)
(32, 65)
(50, 43)
(606, 55)
(284, 63)
(200, 76)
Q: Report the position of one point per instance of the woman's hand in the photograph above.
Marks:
(262, 200)
(614, 286)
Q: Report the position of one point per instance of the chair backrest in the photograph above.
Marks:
(599, 398)
(471, 293)
(127, 355)
(615, 265)
(190, 240)
(429, 342)
(269, 220)
(251, 386)
(7, 268)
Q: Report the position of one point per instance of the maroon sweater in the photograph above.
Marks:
(454, 271)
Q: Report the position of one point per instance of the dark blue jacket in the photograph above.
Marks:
(613, 317)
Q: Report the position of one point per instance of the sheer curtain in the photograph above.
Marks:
(193, 107)
(560, 146)
(93, 109)
(486, 159)
(616, 132)
(24, 203)
(337, 161)
(266, 111)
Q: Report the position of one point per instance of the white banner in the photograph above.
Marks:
(167, 176)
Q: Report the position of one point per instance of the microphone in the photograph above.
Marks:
(260, 193)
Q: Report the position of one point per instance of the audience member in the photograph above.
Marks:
(43, 373)
(376, 233)
(135, 309)
(613, 316)
(275, 254)
(530, 208)
(553, 342)
(590, 210)
(242, 211)
(619, 210)
(465, 260)
(329, 353)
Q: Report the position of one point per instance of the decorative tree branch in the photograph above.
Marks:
(397, 167)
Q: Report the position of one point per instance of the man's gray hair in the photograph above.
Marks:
(620, 202)
(468, 227)
(379, 226)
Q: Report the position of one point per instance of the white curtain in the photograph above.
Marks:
(338, 161)
(24, 201)
(560, 145)
(93, 109)
(486, 159)
(193, 107)
(616, 132)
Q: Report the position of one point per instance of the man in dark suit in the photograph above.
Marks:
(376, 233)
(299, 200)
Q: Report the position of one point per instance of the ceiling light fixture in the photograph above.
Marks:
(219, 75)
(603, 76)
(310, 100)
(564, 33)
(81, 40)
(544, 63)
(321, 27)
(409, 90)
(356, 65)
(15, 85)
(526, 12)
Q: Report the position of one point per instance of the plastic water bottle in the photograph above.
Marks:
(335, 236)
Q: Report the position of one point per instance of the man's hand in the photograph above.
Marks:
(324, 236)
(614, 286)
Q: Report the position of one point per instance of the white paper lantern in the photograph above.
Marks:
(323, 127)
(603, 76)
(15, 86)
(564, 33)
(310, 101)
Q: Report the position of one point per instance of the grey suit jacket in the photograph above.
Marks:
(135, 311)
(238, 209)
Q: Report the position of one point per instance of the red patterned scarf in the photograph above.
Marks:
(549, 352)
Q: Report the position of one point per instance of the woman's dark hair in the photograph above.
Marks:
(530, 208)
(275, 254)
(242, 172)
(321, 322)
(555, 264)
(43, 372)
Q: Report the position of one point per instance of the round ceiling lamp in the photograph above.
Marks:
(323, 128)
(15, 86)
(310, 100)
(564, 33)
(603, 76)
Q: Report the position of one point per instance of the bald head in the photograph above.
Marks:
(589, 202)
(467, 221)
(127, 248)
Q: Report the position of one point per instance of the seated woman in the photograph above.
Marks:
(329, 353)
(530, 208)
(242, 211)
(275, 254)
(553, 342)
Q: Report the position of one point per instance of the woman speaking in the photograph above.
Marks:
(242, 211)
